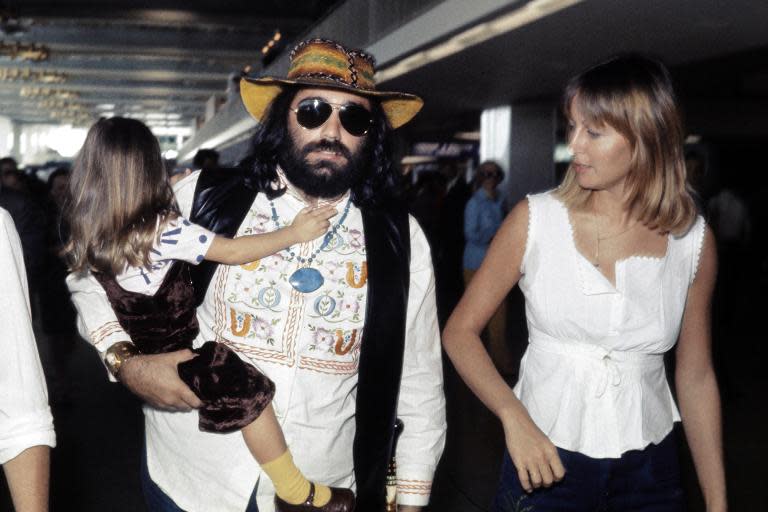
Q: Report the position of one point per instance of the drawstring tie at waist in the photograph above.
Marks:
(614, 362)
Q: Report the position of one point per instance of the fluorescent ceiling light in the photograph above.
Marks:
(528, 13)
(473, 136)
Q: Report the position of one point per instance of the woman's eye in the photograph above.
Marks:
(593, 133)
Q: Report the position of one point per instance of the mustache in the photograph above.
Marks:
(326, 145)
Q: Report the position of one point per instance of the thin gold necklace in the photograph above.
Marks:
(598, 238)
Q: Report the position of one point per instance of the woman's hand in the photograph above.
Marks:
(533, 454)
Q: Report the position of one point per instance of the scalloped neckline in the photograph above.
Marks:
(619, 263)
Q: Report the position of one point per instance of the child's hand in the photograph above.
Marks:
(311, 223)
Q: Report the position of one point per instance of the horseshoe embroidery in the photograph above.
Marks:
(340, 349)
(233, 325)
(351, 281)
(251, 266)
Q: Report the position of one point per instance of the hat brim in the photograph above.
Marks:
(258, 93)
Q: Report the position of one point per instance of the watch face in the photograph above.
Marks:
(111, 360)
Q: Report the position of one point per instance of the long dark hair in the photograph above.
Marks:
(381, 181)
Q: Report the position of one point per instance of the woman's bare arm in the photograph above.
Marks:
(27, 475)
(533, 454)
(696, 385)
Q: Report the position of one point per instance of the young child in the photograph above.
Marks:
(127, 230)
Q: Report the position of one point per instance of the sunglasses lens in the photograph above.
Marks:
(355, 119)
(313, 113)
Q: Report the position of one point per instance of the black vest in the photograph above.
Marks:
(223, 198)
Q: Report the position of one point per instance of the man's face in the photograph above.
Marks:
(9, 176)
(324, 161)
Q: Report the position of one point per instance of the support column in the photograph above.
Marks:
(16, 146)
(521, 138)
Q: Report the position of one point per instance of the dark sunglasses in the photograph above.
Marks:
(312, 113)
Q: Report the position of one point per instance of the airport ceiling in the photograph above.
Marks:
(717, 51)
(163, 59)
(64, 60)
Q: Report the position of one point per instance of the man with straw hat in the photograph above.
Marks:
(345, 326)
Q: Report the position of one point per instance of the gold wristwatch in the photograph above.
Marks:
(118, 354)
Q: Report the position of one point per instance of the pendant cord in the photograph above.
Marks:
(598, 238)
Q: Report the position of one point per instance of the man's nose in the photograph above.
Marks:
(331, 129)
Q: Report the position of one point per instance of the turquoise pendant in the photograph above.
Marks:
(306, 280)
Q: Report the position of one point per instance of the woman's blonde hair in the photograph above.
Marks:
(118, 190)
(634, 95)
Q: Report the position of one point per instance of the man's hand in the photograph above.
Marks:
(155, 379)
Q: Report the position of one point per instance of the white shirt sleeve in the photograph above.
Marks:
(25, 417)
(96, 321)
(421, 404)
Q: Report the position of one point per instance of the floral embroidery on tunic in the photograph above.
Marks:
(267, 320)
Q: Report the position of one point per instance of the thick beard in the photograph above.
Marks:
(323, 178)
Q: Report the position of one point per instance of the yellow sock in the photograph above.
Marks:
(290, 484)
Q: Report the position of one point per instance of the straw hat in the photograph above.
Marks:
(328, 64)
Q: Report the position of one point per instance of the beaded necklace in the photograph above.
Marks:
(308, 279)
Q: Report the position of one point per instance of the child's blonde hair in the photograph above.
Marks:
(118, 190)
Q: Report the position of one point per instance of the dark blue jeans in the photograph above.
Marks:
(158, 501)
(645, 480)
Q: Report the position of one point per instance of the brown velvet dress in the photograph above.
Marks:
(233, 392)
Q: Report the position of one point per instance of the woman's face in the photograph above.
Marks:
(489, 178)
(601, 155)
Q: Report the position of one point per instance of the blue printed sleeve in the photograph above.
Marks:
(183, 240)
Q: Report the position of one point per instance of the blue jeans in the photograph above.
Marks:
(645, 480)
(158, 501)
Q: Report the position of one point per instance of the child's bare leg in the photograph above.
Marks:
(264, 437)
(265, 440)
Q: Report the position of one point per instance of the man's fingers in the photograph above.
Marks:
(190, 399)
(181, 398)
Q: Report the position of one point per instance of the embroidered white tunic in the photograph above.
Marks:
(309, 345)
(593, 376)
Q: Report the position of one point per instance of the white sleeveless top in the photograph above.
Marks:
(593, 376)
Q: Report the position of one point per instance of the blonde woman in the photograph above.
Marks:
(617, 268)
